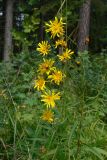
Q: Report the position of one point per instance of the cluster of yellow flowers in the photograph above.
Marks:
(47, 71)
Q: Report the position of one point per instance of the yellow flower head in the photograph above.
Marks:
(48, 116)
(50, 98)
(56, 76)
(44, 48)
(66, 55)
(46, 66)
(78, 62)
(61, 43)
(40, 84)
(55, 27)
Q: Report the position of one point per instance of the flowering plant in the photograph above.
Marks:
(47, 71)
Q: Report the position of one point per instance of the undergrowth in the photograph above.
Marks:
(80, 129)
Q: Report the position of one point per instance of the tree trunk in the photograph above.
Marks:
(8, 29)
(2, 17)
(84, 25)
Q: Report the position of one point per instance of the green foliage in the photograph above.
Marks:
(26, 33)
(35, 13)
(30, 25)
(79, 133)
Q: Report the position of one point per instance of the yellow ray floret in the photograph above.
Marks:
(66, 55)
(40, 84)
(61, 43)
(46, 66)
(48, 116)
(44, 48)
(55, 27)
(56, 76)
(49, 98)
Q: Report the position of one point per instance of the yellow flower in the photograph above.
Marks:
(44, 48)
(40, 84)
(78, 62)
(55, 27)
(50, 98)
(46, 66)
(48, 116)
(56, 76)
(61, 43)
(66, 55)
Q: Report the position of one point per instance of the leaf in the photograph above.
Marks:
(31, 2)
(72, 132)
(101, 151)
(95, 152)
(27, 117)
